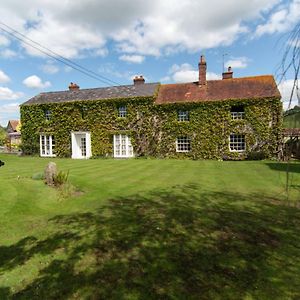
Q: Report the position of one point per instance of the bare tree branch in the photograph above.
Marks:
(291, 62)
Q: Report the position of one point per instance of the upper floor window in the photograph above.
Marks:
(183, 144)
(47, 114)
(183, 116)
(237, 112)
(122, 111)
(83, 112)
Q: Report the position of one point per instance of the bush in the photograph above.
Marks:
(60, 178)
(256, 155)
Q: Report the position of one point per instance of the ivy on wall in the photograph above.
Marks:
(154, 128)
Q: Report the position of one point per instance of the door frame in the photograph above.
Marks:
(76, 146)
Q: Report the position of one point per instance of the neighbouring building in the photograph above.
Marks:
(230, 118)
(13, 134)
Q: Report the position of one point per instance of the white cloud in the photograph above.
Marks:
(143, 28)
(213, 76)
(285, 89)
(137, 59)
(237, 63)
(8, 94)
(113, 70)
(282, 20)
(186, 73)
(9, 111)
(35, 82)
(10, 108)
(3, 77)
(4, 41)
(8, 53)
(165, 79)
(50, 68)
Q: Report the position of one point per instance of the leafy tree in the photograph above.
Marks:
(2, 136)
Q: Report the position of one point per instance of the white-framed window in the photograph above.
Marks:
(47, 145)
(122, 146)
(183, 144)
(237, 112)
(237, 142)
(183, 115)
(47, 114)
(122, 110)
(83, 146)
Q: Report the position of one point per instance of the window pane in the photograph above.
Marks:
(183, 144)
(122, 111)
(183, 116)
(237, 142)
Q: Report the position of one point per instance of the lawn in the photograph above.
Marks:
(150, 229)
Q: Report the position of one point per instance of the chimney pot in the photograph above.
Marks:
(228, 74)
(138, 80)
(73, 86)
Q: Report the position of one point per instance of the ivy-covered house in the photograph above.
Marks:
(219, 119)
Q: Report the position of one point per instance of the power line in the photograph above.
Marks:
(55, 55)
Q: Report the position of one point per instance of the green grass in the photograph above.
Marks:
(292, 120)
(149, 229)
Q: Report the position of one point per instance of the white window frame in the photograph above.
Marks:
(183, 116)
(122, 146)
(122, 111)
(235, 141)
(48, 115)
(237, 115)
(183, 144)
(47, 145)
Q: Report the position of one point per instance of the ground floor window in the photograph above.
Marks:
(122, 146)
(237, 142)
(183, 144)
(47, 145)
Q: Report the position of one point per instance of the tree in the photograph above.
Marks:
(291, 61)
(2, 136)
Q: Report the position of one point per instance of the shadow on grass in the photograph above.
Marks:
(293, 166)
(178, 244)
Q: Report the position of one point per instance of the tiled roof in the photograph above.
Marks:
(214, 90)
(235, 88)
(14, 124)
(124, 91)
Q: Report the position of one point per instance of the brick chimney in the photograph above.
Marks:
(138, 80)
(228, 74)
(202, 70)
(73, 87)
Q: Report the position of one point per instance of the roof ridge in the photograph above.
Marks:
(99, 88)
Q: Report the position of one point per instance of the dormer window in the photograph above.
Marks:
(237, 112)
(183, 115)
(122, 111)
(47, 115)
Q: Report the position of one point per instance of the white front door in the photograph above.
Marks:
(81, 144)
(122, 146)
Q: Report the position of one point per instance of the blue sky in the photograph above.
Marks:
(117, 39)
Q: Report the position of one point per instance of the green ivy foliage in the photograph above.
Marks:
(154, 128)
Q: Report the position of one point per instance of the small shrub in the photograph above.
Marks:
(60, 178)
(256, 155)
